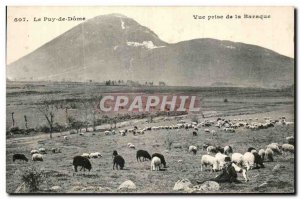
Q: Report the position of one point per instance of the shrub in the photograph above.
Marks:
(33, 178)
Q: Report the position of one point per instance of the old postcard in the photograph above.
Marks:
(147, 100)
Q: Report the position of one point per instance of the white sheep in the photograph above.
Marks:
(237, 158)
(288, 148)
(131, 146)
(95, 155)
(228, 150)
(221, 160)
(206, 130)
(240, 170)
(269, 154)
(213, 132)
(262, 153)
(34, 151)
(37, 157)
(208, 160)
(193, 149)
(42, 150)
(290, 139)
(275, 147)
(248, 160)
(155, 164)
(66, 138)
(86, 155)
(107, 132)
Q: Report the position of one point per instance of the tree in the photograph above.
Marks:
(13, 119)
(48, 109)
(75, 124)
(26, 122)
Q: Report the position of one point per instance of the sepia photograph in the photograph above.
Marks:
(150, 100)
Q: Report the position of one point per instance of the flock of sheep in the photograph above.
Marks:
(215, 157)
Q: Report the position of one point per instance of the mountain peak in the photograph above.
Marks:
(115, 47)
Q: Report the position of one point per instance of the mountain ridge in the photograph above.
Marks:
(117, 47)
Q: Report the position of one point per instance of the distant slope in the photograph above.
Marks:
(117, 47)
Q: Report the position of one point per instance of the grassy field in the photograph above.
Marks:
(249, 103)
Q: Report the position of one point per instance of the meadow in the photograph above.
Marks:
(243, 103)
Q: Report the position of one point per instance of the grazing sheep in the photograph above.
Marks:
(240, 170)
(195, 133)
(290, 140)
(288, 148)
(142, 154)
(85, 155)
(228, 150)
(81, 134)
(237, 158)
(34, 152)
(107, 132)
(249, 160)
(207, 160)
(269, 154)
(261, 153)
(119, 162)
(95, 155)
(161, 157)
(193, 149)
(155, 164)
(206, 130)
(123, 132)
(221, 159)
(37, 157)
(56, 150)
(66, 137)
(83, 162)
(213, 132)
(131, 146)
(275, 148)
(42, 151)
(257, 159)
(250, 149)
(211, 149)
(19, 157)
(115, 153)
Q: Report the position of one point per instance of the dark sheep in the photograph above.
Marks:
(258, 160)
(195, 133)
(115, 153)
(220, 149)
(161, 157)
(19, 157)
(250, 149)
(142, 154)
(83, 162)
(119, 162)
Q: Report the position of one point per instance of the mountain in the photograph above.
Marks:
(115, 47)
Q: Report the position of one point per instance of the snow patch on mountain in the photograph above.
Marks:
(122, 24)
(145, 44)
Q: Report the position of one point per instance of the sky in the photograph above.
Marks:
(171, 24)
